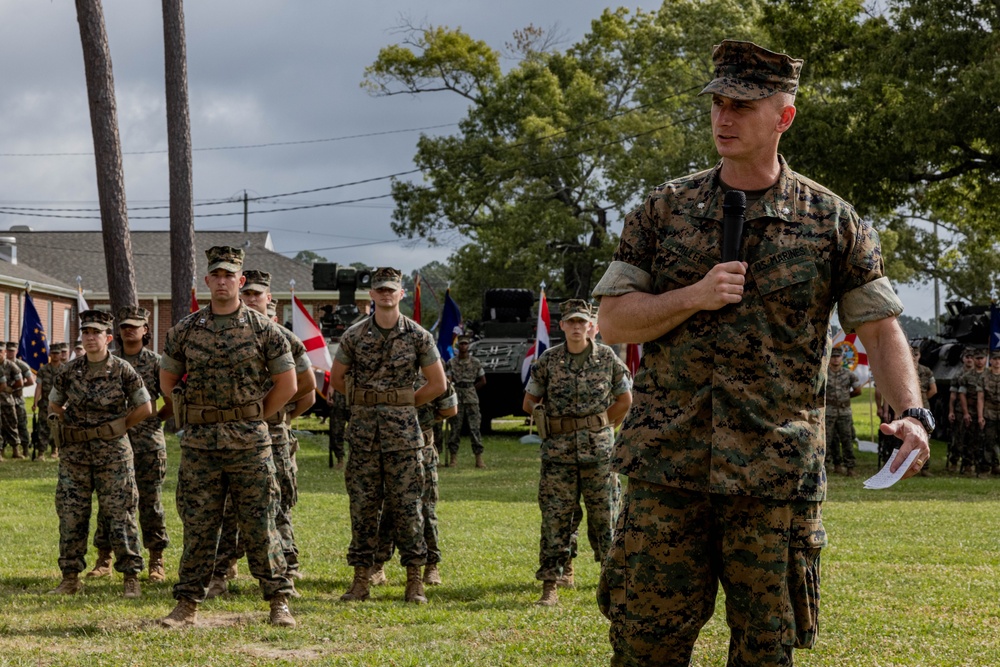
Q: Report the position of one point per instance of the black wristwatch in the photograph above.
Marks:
(922, 415)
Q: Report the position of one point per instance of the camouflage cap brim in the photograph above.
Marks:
(254, 287)
(387, 282)
(228, 266)
(132, 322)
(738, 89)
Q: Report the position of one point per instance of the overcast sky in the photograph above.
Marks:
(276, 107)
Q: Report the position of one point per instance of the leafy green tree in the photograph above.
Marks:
(558, 148)
(434, 280)
(309, 257)
(898, 113)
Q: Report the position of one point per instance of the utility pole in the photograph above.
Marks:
(245, 226)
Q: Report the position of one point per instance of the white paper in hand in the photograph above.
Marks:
(883, 479)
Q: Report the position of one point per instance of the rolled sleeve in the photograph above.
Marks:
(281, 364)
(171, 365)
(623, 278)
(871, 302)
(139, 397)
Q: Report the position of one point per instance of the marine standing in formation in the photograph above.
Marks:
(583, 389)
(94, 402)
(468, 377)
(43, 385)
(28, 380)
(990, 421)
(959, 416)
(841, 385)
(723, 445)
(376, 367)
(11, 382)
(239, 372)
(149, 450)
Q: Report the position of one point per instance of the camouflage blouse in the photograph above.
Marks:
(464, 373)
(991, 395)
(732, 401)
(228, 363)
(147, 435)
(92, 395)
(840, 383)
(383, 363)
(578, 391)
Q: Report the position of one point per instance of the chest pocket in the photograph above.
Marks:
(788, 293)
(678, 265)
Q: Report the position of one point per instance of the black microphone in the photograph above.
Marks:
(733, 206)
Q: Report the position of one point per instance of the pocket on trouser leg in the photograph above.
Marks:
(611, 586)
(806, 540)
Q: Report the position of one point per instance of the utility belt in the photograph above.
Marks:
(464, 385)
(557, 425)
(106, 431)
(282, 416)
(204, 414)
(842, 404)
(400, 396)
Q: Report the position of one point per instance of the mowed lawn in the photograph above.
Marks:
(911, 577)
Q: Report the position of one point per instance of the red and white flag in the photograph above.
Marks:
(304, 326)
(855, 357)
(541, 338)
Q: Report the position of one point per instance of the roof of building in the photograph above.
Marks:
(66, 255)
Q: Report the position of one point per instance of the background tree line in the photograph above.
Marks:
(898, 104)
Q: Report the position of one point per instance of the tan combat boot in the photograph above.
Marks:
(233, 570)
(359, 587)
(55, 453)
(376, 575)
(431, 575)
(839, 470)
(566, 580)
(102, 567)
(218, 586)
(339, 465)
(132, 589)
(452, 459)
(70, 585)
(280, 615)
(479, 461)
(185, 613)
(414, 586)
(17, 454)
(156, 571)
(549, 595)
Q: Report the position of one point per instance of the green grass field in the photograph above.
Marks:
(911, 578)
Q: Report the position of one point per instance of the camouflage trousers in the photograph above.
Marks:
(840, 441)
(386, 481)
(963, 447)
(560, 487)
(22, 424)
(150, 470)
(467, 412)
(592, 537)
(117, 497)
(230, 547)
(8, 427)
(671, 550)
(42, 427)
(205, 478)
(339, 414)
(428, 505)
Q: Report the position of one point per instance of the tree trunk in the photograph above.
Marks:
(182, 249)
(107, 154)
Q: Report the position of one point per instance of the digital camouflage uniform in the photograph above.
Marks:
(385, 463)
(991, 410)
(44, 378)
(229, 361)
(576, 463)
(840, 383)
(888, 443)
(229, 544)
(964, 438)
(464, 373)
(27, 375)
(93, 395)
(149, 451)
(724, 445)
(427, 414)
(10, 374)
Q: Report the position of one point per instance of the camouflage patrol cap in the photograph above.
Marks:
(967, 353)
(386, 276)
(133, 316)
(11, 345)
(272, 308)
(575, 309)
(58, 347)
(465, 338)
(837, 351)
(96, 319)
(980, 353)
(745, 71)
(224, 257)
(257, 281)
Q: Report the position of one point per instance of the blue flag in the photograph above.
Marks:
(34, 347)
(994, 328)
(451, 320)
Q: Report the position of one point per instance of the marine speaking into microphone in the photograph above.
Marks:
(733, 206)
